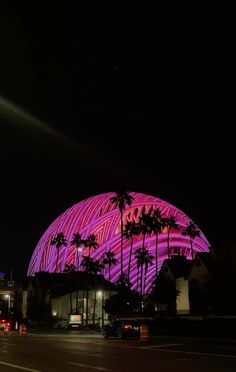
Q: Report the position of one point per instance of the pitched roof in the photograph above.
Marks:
(206, 259)
(179, 266)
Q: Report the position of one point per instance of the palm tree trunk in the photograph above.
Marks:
(145, 277)
(191, 243)
(130, 256)
(156, 254)
(137, 275)
(121, 243)
(95, 298)
(141, 280)
(87, 298)
(57, 260)
(168, 242)
(109, 285)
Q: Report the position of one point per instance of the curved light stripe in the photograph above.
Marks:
(96, 215)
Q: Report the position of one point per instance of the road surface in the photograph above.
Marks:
(89, 352)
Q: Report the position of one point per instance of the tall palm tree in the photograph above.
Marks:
(78, 242)
(69, 269)
(120, 200)
(59, 241)
(192, 231)
(131, 229)
(147, 261)
(91, 243)
(170, 223)
(157, 226)
(109, 260)
(140, 255)
(145, 226)
(91, 267)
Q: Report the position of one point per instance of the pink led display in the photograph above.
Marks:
(96, 215)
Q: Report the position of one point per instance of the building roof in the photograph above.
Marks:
(179, 266)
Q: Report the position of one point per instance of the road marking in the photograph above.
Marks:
(198, 353)
(19, 367)
(8, 344)
(88, 366)
(157, 346)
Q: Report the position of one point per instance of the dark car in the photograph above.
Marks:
(122, 329)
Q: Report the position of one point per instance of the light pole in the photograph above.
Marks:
(7, 296)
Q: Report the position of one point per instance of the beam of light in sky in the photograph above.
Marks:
(28, 122)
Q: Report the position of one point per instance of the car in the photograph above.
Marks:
(5, 325)
(122, 329)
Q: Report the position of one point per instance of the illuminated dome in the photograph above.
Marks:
(96, 215)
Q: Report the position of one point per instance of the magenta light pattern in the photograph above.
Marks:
(96, 215)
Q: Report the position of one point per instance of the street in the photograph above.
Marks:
(84, 351)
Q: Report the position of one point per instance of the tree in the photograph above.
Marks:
(59, 240)
(109, 260)
(92, 267)
(192, 231)
(147, 260)
(157, 226)
(78, 242)
(91, 243)
(120, 200)
(131, 229)
(143, 257)
(171, 224)
(70, 269)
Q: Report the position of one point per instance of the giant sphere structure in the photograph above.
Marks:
(97, 215)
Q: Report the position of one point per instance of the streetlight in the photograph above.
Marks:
(7, 296)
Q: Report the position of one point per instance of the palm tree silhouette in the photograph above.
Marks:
(131, 229)
(120, 200)
(59, 241)
(91, 243)
(109, 260)
(157, 226)
(147, 261)
(192, 231)
(143, 258)
(69, 269)
(170, 223)
(78, 242)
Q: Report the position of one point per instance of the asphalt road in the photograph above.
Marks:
(55, 352)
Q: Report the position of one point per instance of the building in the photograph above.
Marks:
(97, 215)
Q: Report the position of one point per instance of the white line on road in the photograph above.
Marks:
(88, 366)
(19, 367)
(197, 353)
(157, 346)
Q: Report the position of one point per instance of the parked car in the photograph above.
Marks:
(5, 324)
(122, 329)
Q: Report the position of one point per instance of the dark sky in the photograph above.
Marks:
(118, 97)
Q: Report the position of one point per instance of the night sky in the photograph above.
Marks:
(103, 97)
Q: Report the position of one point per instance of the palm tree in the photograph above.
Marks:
(131, 229)
(59, 240)
(69, 269)
(157, 226)
(170, 223)
(139, 255)
(91, 243)
(120, 200)
(109, 260)
(147, 261)
(145, 226)
(92, 267)
(192, 231)
(78, 242)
